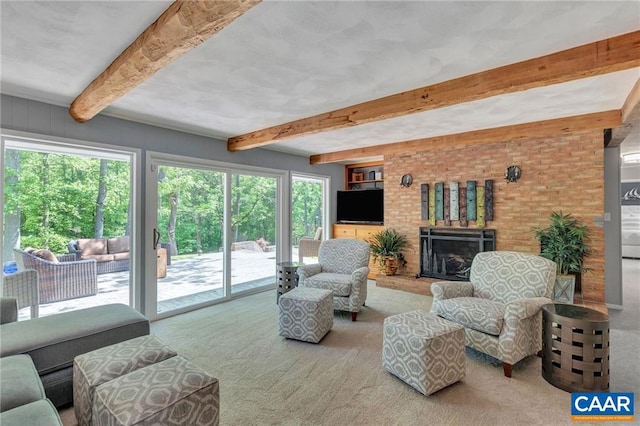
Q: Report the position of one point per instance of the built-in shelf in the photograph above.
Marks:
(358, 175)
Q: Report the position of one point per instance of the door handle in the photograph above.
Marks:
(156, 238)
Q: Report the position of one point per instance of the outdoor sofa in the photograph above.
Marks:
(111, 254)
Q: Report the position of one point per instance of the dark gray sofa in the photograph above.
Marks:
(52, 342)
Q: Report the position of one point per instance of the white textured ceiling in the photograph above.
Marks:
(285, 60)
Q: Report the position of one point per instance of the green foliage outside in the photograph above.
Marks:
(53, 200)
(54, 197)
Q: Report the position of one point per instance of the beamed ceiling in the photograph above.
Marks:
(333, 81)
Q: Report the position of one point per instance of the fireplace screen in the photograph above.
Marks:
(447, 253)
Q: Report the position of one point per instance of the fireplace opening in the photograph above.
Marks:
(447, 253)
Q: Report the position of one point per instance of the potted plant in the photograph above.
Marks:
(564, 242)
(387, 248)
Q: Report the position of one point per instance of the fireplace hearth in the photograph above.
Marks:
(447, 252)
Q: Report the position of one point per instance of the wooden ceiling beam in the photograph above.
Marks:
(180, 28)
(554, 127)
(630, 114)
(601, 57)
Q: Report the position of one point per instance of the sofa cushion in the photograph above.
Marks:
(120, 256)
(339, 284)
(46, 255)
(20, 382)
(92, 246)
(479, 314)
(98, 257)
(118, 245)
(37, 413)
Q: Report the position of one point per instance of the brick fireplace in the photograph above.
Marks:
(563, 173)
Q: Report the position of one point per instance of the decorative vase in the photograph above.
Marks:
(564, 288)
(389, 266)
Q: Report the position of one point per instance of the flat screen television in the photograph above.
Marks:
(361, 206)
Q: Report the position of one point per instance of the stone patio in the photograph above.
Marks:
(189, 281)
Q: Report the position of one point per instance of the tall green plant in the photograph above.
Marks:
(564, 242)
(389, 243)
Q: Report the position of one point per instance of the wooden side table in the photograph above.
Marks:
(575, 348)
(162, 263)
(287, 277)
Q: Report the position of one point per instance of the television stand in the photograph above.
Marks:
(359, 232)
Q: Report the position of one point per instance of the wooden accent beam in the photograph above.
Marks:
(630, 113)
(601, 57)
(558, 126)
(180, 28)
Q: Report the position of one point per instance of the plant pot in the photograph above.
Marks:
(390, 266)
(564, 288)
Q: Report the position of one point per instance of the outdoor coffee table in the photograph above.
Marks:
(287, 277)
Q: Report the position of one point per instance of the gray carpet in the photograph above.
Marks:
(267, 380)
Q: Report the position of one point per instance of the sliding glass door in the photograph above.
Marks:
(215, 233)
(189, 237)
(253, 231)
(308, 206)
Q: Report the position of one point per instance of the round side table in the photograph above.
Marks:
(575, 348)
(287, 277)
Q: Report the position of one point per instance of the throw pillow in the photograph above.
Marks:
(46, 255)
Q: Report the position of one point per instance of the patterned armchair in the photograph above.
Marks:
(342, 268)
(500, 307)
(62, 280)
(23, 286)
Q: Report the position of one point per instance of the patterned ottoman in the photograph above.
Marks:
(94, 368)
(306, 314)
(423, 350)
(172, 392)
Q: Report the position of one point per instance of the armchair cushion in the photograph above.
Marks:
(339, 284)
(479, 314)
(46, 255)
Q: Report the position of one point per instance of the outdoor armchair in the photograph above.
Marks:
(500, 307)
(342, 268)
(66, 279)
(23, 286)
(308, 247)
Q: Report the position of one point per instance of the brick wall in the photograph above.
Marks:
(563, 173)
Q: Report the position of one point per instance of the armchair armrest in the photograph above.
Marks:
(525, 308)
(24, 286)
(69, 257)
(359, 276)
(8, 310)
(308, 271)
(450, 289)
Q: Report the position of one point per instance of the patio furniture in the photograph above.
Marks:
(54, 341)
(501, 306)
(308, 247)
(111, 254)
(63, 279)
(306, 314)
(23, 285)
(342, 268)
(423, 350)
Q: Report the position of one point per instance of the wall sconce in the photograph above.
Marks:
(513, 174)
(406, 181)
